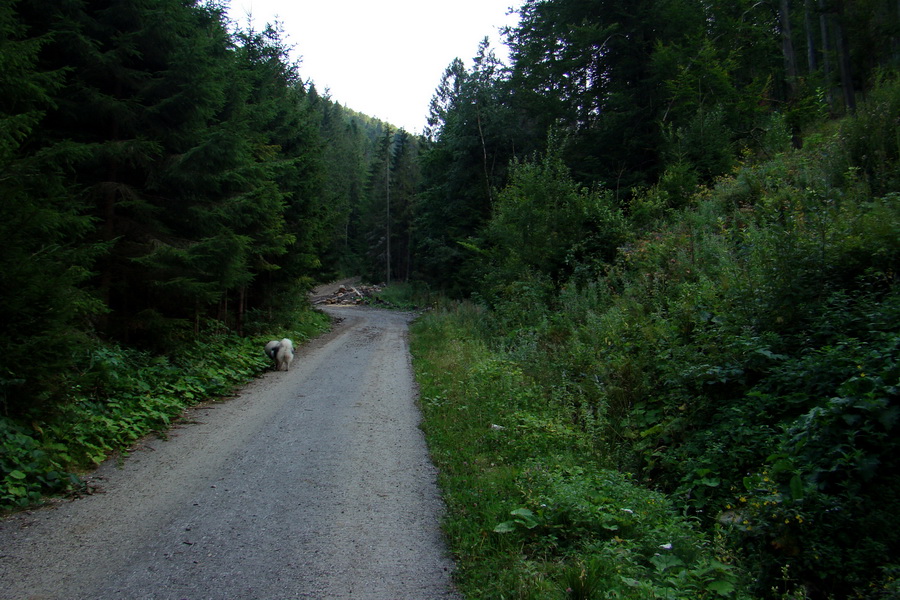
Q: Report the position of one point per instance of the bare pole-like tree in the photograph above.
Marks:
(387, 186)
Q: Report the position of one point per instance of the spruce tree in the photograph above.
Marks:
(473, 135)
(45, 258)
(285, 218)
(345, 169)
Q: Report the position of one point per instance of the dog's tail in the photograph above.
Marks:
(272, 349)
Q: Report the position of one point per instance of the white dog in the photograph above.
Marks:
(282, 352)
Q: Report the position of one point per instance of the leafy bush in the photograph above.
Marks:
(601, 516)
(30, 467)
(870, 137)
(404, 296)
(545, 223)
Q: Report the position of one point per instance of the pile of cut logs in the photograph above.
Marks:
(349, 294)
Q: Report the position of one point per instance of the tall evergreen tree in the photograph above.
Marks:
(375, 225)
(587, 66)
(287, 218)
(345, 168)
(473, 136)
(45, 257)
(143, 81)
(406, 179)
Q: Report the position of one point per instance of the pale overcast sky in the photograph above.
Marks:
(383, 58)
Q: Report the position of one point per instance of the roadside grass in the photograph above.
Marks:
(120, 395)
(531, 511)
(404, 296)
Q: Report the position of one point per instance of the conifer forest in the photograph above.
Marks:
(661, 242)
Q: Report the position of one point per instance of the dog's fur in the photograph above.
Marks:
(284, 355)
(272, 349)
(281, 352)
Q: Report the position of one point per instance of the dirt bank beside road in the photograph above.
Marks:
(315, 483)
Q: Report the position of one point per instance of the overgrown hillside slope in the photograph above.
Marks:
(709, 409)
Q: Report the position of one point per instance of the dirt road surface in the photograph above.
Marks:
(315, 483)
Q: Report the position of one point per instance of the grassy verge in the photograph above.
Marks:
(532, 513)
(404, 296)
(117, 397)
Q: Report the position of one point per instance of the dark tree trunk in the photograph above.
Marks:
(242, 292)
(811, 61)
(826, 56)
(787, 48)
(843, 50)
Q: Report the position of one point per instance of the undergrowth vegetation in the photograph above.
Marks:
(709, 411)
(532, 510)
(403, 296)
(116, 396)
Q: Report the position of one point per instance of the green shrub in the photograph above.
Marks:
(404, 296)
(545, 226)
(872, 137)
(30, 467)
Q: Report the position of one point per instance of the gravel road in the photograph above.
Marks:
(315, 483)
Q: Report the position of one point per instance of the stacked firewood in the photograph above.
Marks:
(349, 295)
